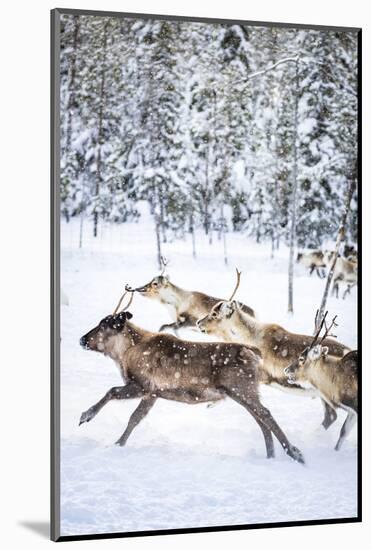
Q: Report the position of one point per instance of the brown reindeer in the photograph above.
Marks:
(346, 271)
(350, 253)
(155, 365)
(313, 260)
(335, 378)
(278, 346)
(185, 306)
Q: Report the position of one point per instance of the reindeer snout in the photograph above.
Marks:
(142, 289)
(83, 342)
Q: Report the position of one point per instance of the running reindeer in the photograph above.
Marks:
(184, 306)
(335, 379)
(350, 253)
(313, 260)
(279, 347)
(345, 271)
(155, 365)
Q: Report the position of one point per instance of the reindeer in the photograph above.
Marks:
(155, 365)
(350, 253)
(335, 378)
(345, 271)
(278, 346)
(184, 306)
(313, 261)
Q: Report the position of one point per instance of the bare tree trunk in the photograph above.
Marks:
(294, 195)
(82, 211)
(206, 198)
(81, 228)
(194, 253)
(158, 240)
(225, 248)
(192, 231)
(71, 83)
(340, 237)
(223, 231)
(100, 130)
(162, 212)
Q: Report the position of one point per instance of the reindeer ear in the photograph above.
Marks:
(166, 279)
(315, 353)
(123, 316)
(324, 350)
(228, 308)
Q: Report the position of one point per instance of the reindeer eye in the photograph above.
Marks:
(154, 284)
(214, 315)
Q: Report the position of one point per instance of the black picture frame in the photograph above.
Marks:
(55, 278)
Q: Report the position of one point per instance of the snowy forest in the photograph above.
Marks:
(214, 147)
(220, 128)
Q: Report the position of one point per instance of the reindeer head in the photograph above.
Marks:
(308, 358)
(98, 338)
(156, 286)
(296, 371)
(219, 320)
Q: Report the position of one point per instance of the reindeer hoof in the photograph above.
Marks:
(296, 454)
(120, 443)
(86, 417)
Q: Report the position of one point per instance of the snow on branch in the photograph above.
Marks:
(271, 68)
(263, 71)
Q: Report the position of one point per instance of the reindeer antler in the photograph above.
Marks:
(320, 327)
(327, 329)
(164, 263)
(237, 285)
(127, 289)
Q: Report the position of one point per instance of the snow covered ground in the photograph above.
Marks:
(189, 466)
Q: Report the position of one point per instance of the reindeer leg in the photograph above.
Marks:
(258, 411)
(330, 415)
(140, 412)
(256, 408)
(347, 290)
(172, 326)
(346, 428)
(181, 323)
(335, 289)
(267, 434)
(130, 391)
(312, 268)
